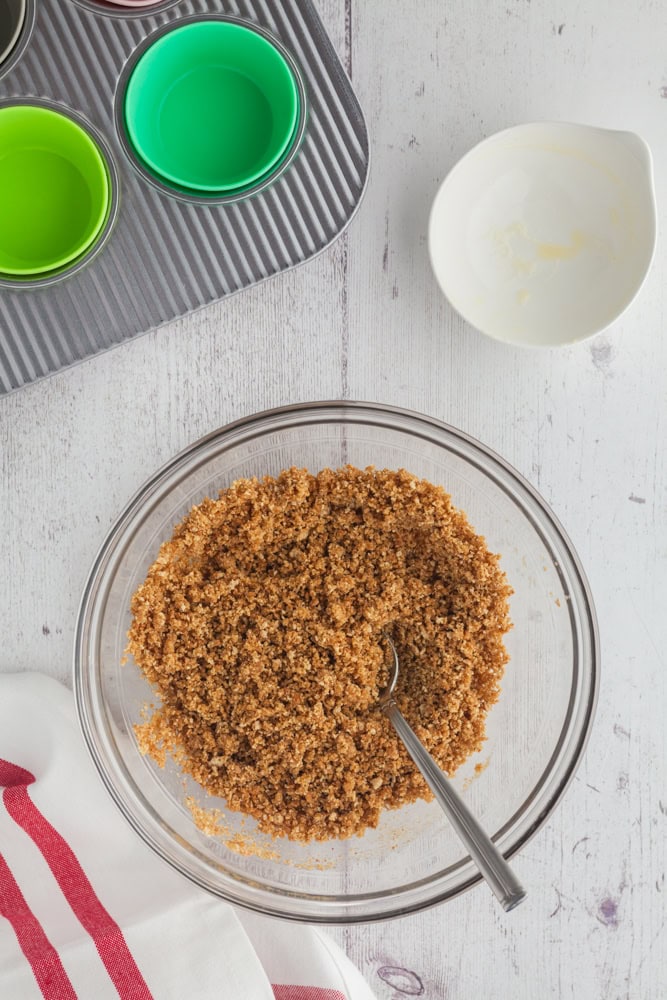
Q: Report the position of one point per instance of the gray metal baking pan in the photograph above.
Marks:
(165, 255)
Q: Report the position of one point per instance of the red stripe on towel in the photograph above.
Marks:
(43, 958)
(306, 993)
(12, 774)
(73, 881)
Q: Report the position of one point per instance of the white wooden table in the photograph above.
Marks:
(586, 425)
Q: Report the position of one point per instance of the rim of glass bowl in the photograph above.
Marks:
(290, 903)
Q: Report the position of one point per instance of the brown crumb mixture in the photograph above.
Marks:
(260, 625)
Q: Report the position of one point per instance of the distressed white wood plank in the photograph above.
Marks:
(586, 425)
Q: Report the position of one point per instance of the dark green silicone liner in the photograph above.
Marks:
(274, 90)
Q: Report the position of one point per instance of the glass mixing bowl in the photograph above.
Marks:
(536, 731)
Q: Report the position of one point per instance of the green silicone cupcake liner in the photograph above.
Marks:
(259, 106)
(58, 192)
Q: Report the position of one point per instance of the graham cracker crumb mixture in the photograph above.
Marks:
(260, 625)
(213, 822)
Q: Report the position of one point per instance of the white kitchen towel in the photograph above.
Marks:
(88, 911)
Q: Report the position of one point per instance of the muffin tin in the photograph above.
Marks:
(164, 251)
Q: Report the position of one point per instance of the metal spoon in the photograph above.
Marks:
(504, 883)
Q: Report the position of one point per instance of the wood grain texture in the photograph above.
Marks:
(586, 425)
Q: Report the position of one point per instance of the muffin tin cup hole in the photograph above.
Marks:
(17, 18)
(117, 8)
(60, 194)
(220, 73)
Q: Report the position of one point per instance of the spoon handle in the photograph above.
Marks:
(504, 883)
